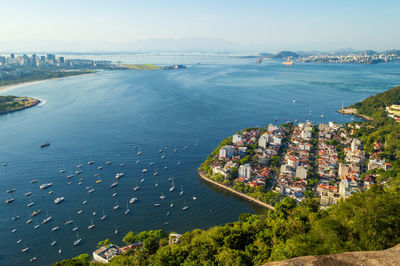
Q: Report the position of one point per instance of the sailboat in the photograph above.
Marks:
(116, 206)
(59, 250)
(31, 203)
(127, 209)
(53, 243)
(78, 240)
(103, 217)
(172, 185)
(181, 193)
(133, 200)
(62, 170)
(156, 184)
(116, 231)
(171, 205)
(25, 249)
(70, 221)
(185, 207)
(19, 241)
(47, 219)
(91, 226)
(162, 196)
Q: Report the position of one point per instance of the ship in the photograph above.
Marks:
(44, 144)
(114, 184)
(10, 200)
(288, 62)
(11, 190)
(118, 175)
(35, 213)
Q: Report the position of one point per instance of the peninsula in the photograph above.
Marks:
(10, 104)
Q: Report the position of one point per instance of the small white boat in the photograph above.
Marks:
(47, 219)
(14, 218)
(181, 193)
(151, 163)
(51, 192)
(156, 204)
(121, 165)
(118, 175)
(70, 221)
(90, 162)
(99, 167)
(127, 209)
(94, 213)
(116, 206)
(178, 163)
(142, 180)
(14, 230)
(165, 167)
(138, 161)
(163, 157)
(29, 221)
(162, 196)
(19, 241)
(91, 190)
(78, 240)
(139, 153)
(114, 194)
(194, 198)
(108, 163)
(155, 173)
(171, 205)
(53, 243)
(33, 259)
(185, 208)
(24, 249)
(30, 204)
(136, 188)
(114, 184)
(78, 172)
(28, 194)
(55, 228)
(102, 218)
(80, 183)
(144, 171)
(115, 231)
(59, 200)
(84, 202)
(36, 226)
(34, 181)
(132, 200)
(79, 212)
(62, 171)
(75, 228)
(91, 226)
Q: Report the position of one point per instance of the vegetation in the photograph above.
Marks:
(13, 103)
(141, 67)
(366, 221)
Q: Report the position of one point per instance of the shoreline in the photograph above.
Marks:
(20, 84)
(352, 111)
(202, 175)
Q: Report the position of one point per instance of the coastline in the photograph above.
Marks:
(20, 84)
(352, 111)
(247, 197)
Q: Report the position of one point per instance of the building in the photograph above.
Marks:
(226, 151)
(237, 139)
(174, 238)
(104, 254)
(301, 172)
(245, 171)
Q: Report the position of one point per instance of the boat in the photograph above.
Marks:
(165, 167)
(167, 213)
(132, 200)
(138, 161)
(19, 241)
(59, 200)
(80, 183)
(28, 194)
(114, 194)
(35, 213)
(70, 221)
(53, 243)
(98, 181)
(11, 190)
(10, 200)
(142, 180)
(155, 173)
(181, 193)
(108, 163)
(79, 212)
(162, 196)
(45, 186)
(118, 175)
(78, 240)
(91, 190)
(99, 167)
(139, 153)
(90, 162)
(14, 230)
(28, 221)
(114, 184)
(151, 163)
(178, 163)
(185, 148)
(69, 176)
(116, 206)
(160, 151)
(185, 207)
(51, 192)
(163, 157)
(172, 186)
(322, 115)
(116, 231)
(171, 205)
(24, 249)
(84, 202)
(78, 172)
(127, 209)
(194, 198)
(59, 250)
(62, 171)
(136, 188)
(4, 164)
(33, 259)
(156, 184)
(121, 165)
(34, 181)
(156, 204)
(288, 62)
(144, 171)
(96, 174)
(91, 226)
(175, 150)
(102, 218)
(47, 219)
(79, 165)
(14, 218)
(94, 213)
(36, 226)
(30, 204)
(75, 228)
(55, 228)
(46, 144)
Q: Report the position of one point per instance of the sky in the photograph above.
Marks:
(251, 24)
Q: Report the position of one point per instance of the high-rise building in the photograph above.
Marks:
(62, 60)
(12, 56)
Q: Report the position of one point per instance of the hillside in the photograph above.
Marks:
(389, 256)
(374, 106)
(285, 54)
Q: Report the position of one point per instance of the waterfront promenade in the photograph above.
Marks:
(247, 197)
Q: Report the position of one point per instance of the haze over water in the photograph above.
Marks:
(102, 116)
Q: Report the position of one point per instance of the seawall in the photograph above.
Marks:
(247, 197)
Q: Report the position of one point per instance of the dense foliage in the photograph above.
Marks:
(374, 106)
(366, 221)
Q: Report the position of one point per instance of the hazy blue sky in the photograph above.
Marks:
(314, 24)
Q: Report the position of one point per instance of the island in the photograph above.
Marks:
(10, 104)
(338, 188)
(151, 67)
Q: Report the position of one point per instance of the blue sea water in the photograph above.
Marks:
(102, 116)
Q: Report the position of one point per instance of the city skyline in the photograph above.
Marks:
(232, 25)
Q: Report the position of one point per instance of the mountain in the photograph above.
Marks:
(285, 54)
